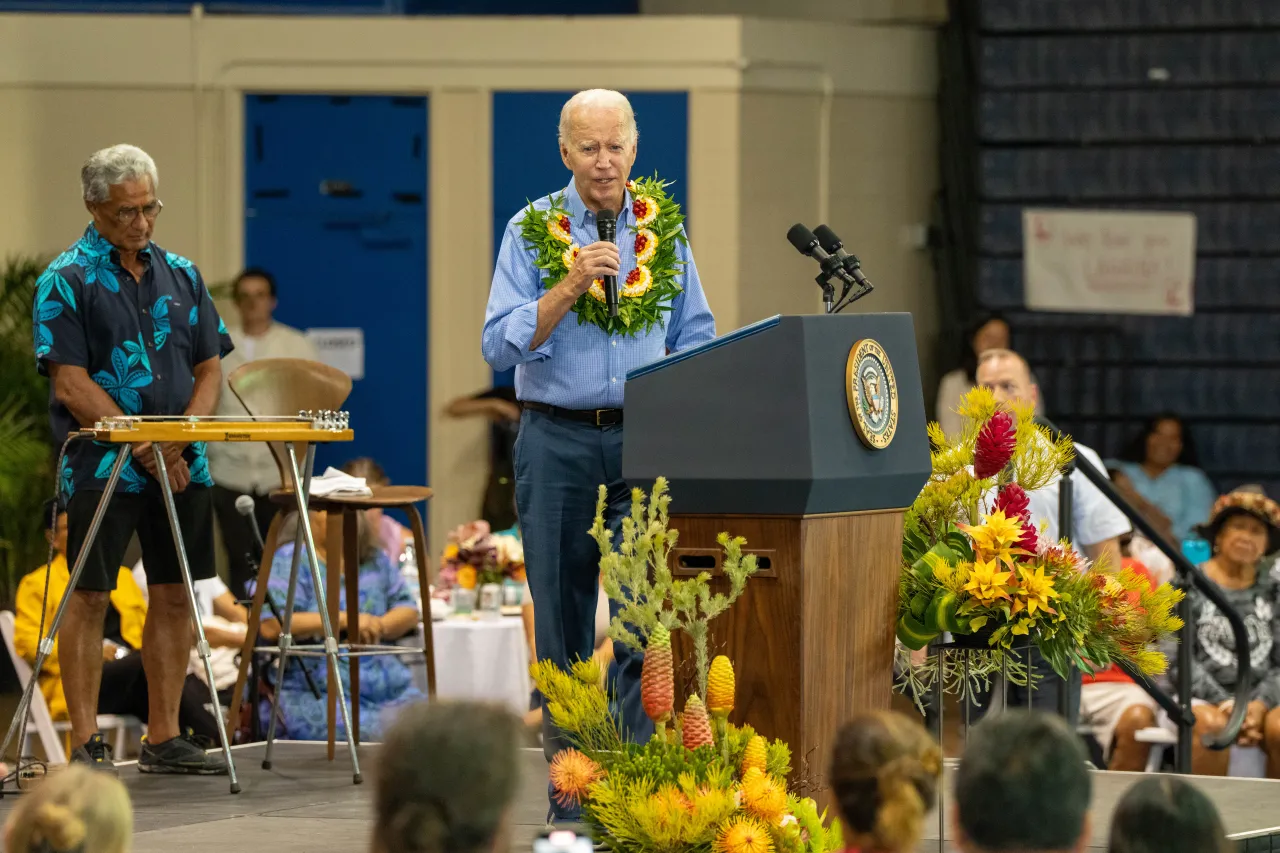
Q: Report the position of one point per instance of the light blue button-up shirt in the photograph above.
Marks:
(580, 366)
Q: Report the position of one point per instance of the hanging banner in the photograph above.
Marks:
(1109, 262)
(340, 348)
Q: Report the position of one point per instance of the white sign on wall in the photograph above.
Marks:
(1111, 262)
(340, 348)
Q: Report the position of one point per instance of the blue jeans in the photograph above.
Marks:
(560, 465)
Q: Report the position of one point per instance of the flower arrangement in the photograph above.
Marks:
(474, 556)
(644, 293)
(973, 563)
(701, 783)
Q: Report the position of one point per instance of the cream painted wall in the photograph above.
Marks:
(847, 11)
(765, 99)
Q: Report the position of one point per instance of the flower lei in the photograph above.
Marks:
(646, 292)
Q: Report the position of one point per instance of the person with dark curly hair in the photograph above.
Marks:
(885, 771)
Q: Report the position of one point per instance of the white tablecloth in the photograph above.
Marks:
(486, 660)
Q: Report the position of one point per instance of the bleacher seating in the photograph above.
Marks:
(1131, 104)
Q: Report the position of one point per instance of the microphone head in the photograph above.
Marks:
(606, 225)
(244, 505)
(802, 238)
(828, 239)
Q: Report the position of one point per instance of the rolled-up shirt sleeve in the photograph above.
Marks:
(511, 317)
(690, 322)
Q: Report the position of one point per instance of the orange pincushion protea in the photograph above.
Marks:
(570, 256)
(638, 282)
(763, 796)
(558, 227)
(720, 687)
(572, 774)
(644, 209)
(742, 835)
(697, 725)
(646, 245)
(657, 678)
(755, 756)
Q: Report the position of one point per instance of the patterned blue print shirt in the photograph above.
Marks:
(579, 366)
(140, 341)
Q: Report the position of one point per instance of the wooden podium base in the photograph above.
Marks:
(811, 638)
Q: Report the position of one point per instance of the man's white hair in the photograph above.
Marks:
(606, 99)
(115, 165)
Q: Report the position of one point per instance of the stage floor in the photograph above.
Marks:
(307, 803)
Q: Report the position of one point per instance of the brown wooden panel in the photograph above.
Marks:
(851, 566)
(761, 633)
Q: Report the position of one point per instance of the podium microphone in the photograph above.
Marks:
(807, 244)
(607, 231)
(244, 506)
(835, 246)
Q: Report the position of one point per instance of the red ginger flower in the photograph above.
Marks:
(1012, 500)
(994, 448)
(1029, 541)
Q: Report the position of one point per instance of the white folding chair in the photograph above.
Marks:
(46, 728)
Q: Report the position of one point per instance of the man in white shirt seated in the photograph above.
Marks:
(1096, 523)
(248, 468)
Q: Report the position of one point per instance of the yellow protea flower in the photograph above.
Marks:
(570, 255)
(763, 796)
(597, 289)
(996, 538)
(646, 245)
(558, 227)
(572, 774)
(1033, 592)
(638, 282)
(756, 755)
(986, 583)
(743, 835)
(720, 687)
(644, 209)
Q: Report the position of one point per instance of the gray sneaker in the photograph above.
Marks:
(181, 755)
(95, 754)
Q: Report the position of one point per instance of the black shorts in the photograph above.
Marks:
(145, 514)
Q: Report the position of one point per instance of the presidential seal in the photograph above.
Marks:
(872, 393)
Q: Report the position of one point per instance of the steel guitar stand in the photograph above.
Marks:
(126, 431)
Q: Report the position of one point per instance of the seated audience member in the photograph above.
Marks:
(390, 535)
(1242, 528)
(987, 333)
(500, 407)
(387, 612)
(1023, 785)
(1166, 814)
(1161, 466)
(1145, 508)
(464, 805)
(123, 688)
(76, 809)
(885, 771)
(225, 622)
(1117, 708)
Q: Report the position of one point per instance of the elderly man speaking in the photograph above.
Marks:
(124, 327)
(570, 369)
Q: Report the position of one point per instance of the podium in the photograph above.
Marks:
(757, 436)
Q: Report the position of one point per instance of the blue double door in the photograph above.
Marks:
(336, 209)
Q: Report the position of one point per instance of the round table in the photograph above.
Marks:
(478, 659)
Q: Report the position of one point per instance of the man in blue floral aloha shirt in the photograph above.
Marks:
(124, 327)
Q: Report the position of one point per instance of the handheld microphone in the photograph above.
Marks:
(607, 231)
(835, 246)
(244, 506)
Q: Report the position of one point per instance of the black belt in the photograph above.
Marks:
(595, 417)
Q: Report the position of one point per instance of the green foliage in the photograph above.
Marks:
(25, 453)
(638, 576)
(778, 759)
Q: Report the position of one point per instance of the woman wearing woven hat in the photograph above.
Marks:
(1242, 528)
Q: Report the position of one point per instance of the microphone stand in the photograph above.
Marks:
(275, 614)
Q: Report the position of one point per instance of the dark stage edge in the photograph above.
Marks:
(308, 803)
